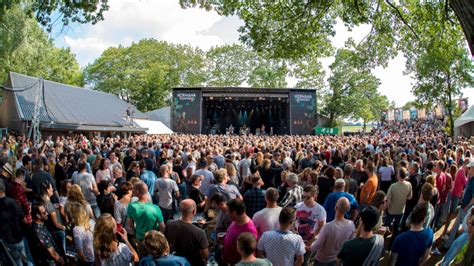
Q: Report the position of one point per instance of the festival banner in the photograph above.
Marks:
(302, 112)
(186, 112)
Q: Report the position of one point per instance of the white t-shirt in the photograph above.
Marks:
(165, 188)
(281, 247)
(386, 173)
(266, 220)
(308, 218)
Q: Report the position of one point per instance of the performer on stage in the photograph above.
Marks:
(262, 131)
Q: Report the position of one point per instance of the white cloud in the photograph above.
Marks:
(129, 21)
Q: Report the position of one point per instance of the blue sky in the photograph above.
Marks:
(128, 21)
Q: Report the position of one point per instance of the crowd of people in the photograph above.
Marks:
(240, 200)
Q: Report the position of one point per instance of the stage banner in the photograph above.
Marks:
(398, 115)
(413, 113)
(406, 115)
(326, 130)
(421, 114)
(186, 112)
(302, 112)
(391, 115)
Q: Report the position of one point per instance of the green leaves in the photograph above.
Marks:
(26, 49)
(90, 11)
(352, 91)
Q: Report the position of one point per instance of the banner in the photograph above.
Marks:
(186, 112)
(406, 115)
(413, 113)
(302, 112)
(390, 115)
(326, 130)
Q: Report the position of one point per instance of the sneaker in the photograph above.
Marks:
(435, 252)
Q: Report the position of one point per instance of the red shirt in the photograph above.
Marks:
(16, 191)
(441, 185)
(460, 183)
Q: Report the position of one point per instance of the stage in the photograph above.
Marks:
(243, 110)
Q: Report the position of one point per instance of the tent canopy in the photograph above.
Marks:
(465, 118)
(154, 127)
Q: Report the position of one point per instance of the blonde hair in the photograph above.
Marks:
(104, 235)
(431, 180)
(78, 215)
(267, 163)
(155, 244)
(75, 195)
(259, 159)
(231, 171)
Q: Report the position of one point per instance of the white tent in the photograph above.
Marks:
(464, 125)
(154, 127)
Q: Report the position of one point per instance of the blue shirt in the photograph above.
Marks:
(149, 178)
(468, 193)
(411, 246)
(330, 204)
(170, 260)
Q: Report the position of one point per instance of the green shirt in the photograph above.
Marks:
(256, 262)
(146, 217)
(355, 251)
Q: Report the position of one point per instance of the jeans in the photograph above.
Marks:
(18, 252)
(441, 211)
(96, 210)
(183, 190)
(453, 205)
(395, 218)
(455, 228)
(455, 248)
(60, 238)
(167, 214)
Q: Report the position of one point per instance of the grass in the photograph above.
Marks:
(356, 128)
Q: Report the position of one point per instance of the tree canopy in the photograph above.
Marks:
(25, 48)
(91, 11)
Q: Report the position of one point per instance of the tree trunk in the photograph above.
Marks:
(450, 107)
(464, 10)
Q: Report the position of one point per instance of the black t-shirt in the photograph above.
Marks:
(59, 174)
(11, 217)
(196, 195)
(360, 176)
(355, 251)
(179, 170)
(40, 177)
(186, 240)
(127, 161)
(411, 203)
(325, 185)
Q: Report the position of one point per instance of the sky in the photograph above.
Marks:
(129, 21)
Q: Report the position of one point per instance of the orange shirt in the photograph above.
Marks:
(369, 189)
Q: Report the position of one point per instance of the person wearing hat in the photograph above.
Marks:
(7, 174)
(367, 247)
(331, 200)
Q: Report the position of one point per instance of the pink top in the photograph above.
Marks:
(460, 183)
(441, 186)
(230, 254)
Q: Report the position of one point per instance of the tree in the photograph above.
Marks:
(292, 29)
(267, 72)
(26, 49)
(145, 72)
(442, 68)
(227, 65)
(352, 91)
(309, 72)
(91, 11)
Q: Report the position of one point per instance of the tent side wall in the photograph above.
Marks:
(466, 130)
